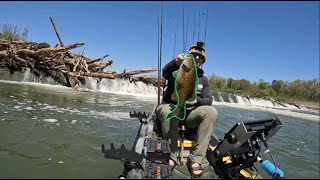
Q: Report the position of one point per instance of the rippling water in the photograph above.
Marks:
(49, 131)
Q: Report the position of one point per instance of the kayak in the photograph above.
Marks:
(233, 156)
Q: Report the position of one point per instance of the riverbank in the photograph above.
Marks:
(309, 105)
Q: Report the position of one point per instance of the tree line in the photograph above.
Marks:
(278, 89)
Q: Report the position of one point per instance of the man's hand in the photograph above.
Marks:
(179, 59)
(192, 104)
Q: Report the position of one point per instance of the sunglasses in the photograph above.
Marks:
(200, 56)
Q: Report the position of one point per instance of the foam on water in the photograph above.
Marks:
(28, 108)
(282, 111)
(36, 84)
(98, 114)
(118, 115)
(50, 120)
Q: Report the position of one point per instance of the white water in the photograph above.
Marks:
(120, 86)
(230, 99)
(29, 77)
(280, 111)
(263, 103)
(149, 93)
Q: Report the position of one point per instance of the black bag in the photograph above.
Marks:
(157, 171)
(157, 161)
(158, 150)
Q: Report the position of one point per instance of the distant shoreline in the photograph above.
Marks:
(309, 105)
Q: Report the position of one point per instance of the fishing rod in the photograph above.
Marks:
(205, 33)
(175, 38)
(187, 27)
(183, 36)
(194, 24)
(159, 51)
(199, 26)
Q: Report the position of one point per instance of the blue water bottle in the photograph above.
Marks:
(271, 169)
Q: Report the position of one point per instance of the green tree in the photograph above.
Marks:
(217, 82)
(244, 84)
(220, 82)
(296, 85)
(262, 84)
(277, 85)
(229, 82)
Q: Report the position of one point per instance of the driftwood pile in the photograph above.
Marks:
(17, 55)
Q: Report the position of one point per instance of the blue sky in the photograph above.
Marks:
(244, 40)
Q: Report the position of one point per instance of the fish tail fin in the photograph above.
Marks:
(177, 113)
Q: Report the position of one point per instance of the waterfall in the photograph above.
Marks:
(124, 86)
(48, 77)
(220, 97)
(120, 86)
(240, 100)
(39, 78)
(230, 99)
(26, 75)
(225, 96)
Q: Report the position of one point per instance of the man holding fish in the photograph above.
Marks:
(188, 98)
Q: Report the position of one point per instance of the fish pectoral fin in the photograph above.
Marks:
(177, 113)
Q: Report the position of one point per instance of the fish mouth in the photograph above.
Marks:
(186, 68)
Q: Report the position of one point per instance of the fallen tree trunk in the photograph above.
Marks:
(16, 55)
(148, 80)
(130, 73)
(98, 75)
(98, 59)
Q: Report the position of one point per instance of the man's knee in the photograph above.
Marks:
(162, 111)
(208, 113)
(212, 112)
(163, 108)
(208, 110)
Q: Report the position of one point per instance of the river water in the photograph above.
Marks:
(51, 131)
